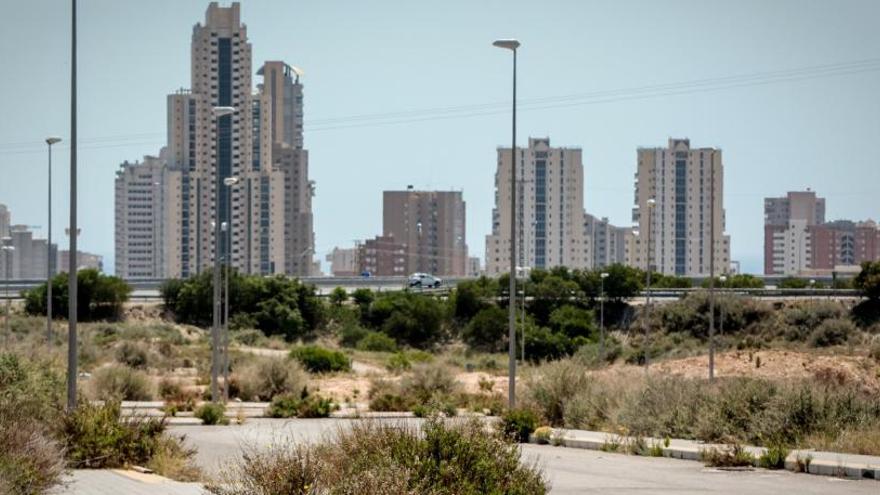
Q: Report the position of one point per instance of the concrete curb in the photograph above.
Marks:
(806, 461)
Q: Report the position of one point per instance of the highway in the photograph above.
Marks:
(148, 290)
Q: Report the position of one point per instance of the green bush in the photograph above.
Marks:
(774, 457)
(318, 359)
(31, 459)
(267, 377)
(118, 382)
(398, 362)
(409, 318)
(439, 458)
(350, 333)
(377, 342)
(211, 413)
(487, 330)
(868, 280)
(99, 296)
(832, 332)
(338, 296)
(518, 424)
(98, 437)
(275, 305)
(301, 405)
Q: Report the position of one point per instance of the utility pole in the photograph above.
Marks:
(712, 274)
(74, 231)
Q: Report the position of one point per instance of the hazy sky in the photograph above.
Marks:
(817, 128)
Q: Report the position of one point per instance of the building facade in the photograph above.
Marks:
(5, 221)
(431, 227)
(343, 262)
(678, 179)
(843, 243)
(787, 244)
(549, 209)
(382, 256)
(282, 99)
(28, 259)
(84, 260)
(606, 244)
(147, 230)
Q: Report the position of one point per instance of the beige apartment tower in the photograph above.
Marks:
(679, 180)
(431, 226)
(550, 209)
(248, 168)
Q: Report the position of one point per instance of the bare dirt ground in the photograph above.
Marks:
(774, 364)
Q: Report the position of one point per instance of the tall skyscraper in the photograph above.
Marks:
(678, 179)
(550, 209)
(787, 246)
(431, 226)
(282, 100)
(249, 167)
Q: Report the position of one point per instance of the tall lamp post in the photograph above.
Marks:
(602, 278)
(651, 203)
(7, 267)
(723, 280)
(72, 356)
(512, 45)
(712, 275)
(49, 142)
(218, 112)
(228, 182)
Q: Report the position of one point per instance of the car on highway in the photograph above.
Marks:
(424, 281)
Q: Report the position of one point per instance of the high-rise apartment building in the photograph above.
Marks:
(606, 244)
(549, 209)
(843, 243)
(282, 99)
(147, 229)
(431, 226)
(5, 221)
(679, 180)
(787, 245)
(28, 257)
(248, 168)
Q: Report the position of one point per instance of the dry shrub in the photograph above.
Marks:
(266, 377)
(550, 387)
(118, 382)
(438, 459)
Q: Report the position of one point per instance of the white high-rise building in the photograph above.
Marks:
(606, 244)
(550, 209)
(678, 179)
(147, 230)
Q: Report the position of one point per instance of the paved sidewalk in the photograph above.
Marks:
(117, 481)
(814, 462)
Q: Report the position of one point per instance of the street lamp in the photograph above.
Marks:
(723, 280)
(49, 142)
(72, 306)
(712, 274)
(602, 277)
(7, 249)
(218, 112)
(651, 203)
(512, 45)
(227, 227)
